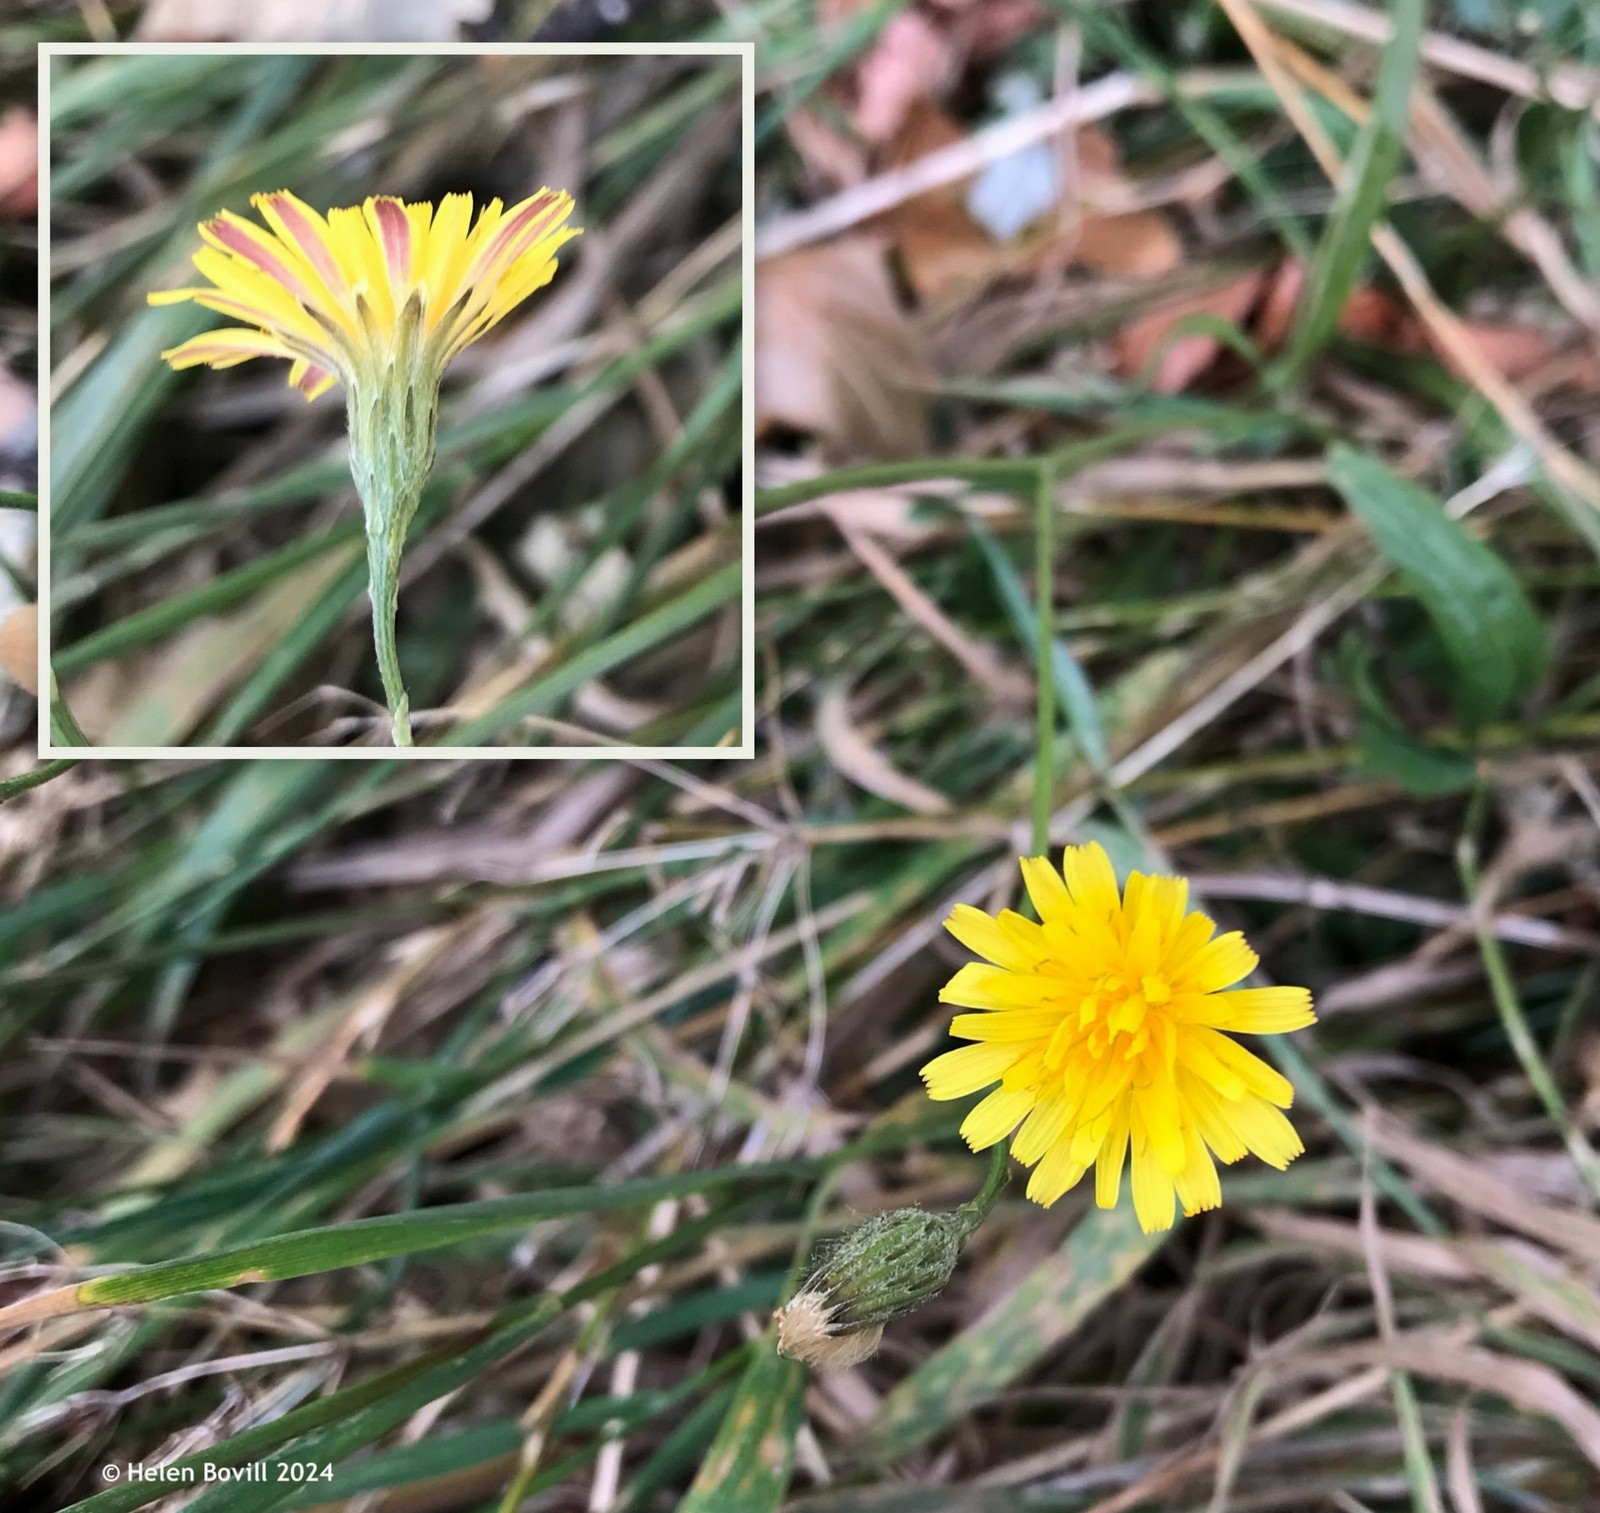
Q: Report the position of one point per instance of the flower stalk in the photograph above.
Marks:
(393, 419)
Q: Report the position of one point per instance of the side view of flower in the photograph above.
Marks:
(1104, 1024)
(381, 297)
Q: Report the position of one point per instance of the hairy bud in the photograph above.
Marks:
(885, 1267)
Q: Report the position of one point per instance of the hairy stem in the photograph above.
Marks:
(392, 424)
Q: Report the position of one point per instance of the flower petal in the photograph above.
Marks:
(1042, 1128)
(1153, 1191)
(1220, 963)
(1045, 888)
(1006, 1024)
(1113, 1153)
(1008, 940)
(1251, 1011)
(978, 985)
(1264, 1130)
(1088, 874)
(994, 1118)
(1199, 1187)
(1056, 1174)
(1249, 1068)
(959, 1073)
(224, 348)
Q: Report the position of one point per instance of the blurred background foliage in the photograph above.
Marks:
(1323, 631)
(209, 581)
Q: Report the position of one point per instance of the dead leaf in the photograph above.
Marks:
(1134, 244)
(1370, 315)
(309, 20)
(160, 698)
(1183, 360)
(910, 61)
(835, 355)
(1140, 244)
(19, 163)
(944, 251)
(860, 761)
(1515, 349)
(19, 646)
(1468, 1182)
(1282, 298)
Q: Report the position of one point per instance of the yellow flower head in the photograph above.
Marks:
(381, 295)
(1103, 1026)
(369, 287)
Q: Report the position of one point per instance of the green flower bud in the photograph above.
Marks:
(888, 1266)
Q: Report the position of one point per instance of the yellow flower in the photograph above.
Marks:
(1103, 1025)
(381, 295)
(350, 294)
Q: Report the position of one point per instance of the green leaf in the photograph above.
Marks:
(748, 1466)
(1342, 252)
(1100, 1254)
(1490, 630)
(1386, 748)
(364, 1240)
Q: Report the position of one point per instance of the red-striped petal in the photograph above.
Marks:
(237, 240)
(544, 211)
(307, 236)
(394, 231)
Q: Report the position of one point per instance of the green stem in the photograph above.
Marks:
(392, 418)
(383, 584)
(1044, 772)
(973, 1212)
(11, 787)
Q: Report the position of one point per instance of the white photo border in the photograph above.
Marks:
(617, 750)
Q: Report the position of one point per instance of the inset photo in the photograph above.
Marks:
(397, 400)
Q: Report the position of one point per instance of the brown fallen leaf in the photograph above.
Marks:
(19, 646)
(1275, 318)
(944, 252)
(1370, 315)
(19, 163)
(1183, 360)
(1516, 349)
(1519, 351)
(1140, 244)
(835, 355)
(1134, 244)
(910, 62)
